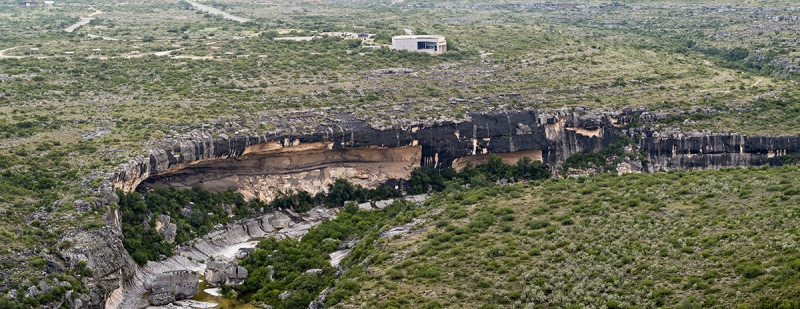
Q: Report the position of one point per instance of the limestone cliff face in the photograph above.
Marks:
(365, 155)
(105, 257)
(264, 170)
(258, 166)
(678, 150)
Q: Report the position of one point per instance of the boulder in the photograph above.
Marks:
(172, 286)
(244, 252)
(33, 291)
(219, 273)
(162, 221)
(165, 228)
(170, 232)
(82, 206)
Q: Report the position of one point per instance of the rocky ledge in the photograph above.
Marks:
(548, 136)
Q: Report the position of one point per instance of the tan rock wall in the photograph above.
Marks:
(265, 170)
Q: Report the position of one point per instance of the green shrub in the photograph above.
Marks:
(749, 270)
(394, 274)
(538, 224)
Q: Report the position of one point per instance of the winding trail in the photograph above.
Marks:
(84, 20)
(166, 53)
(3, 56)
(212, 10)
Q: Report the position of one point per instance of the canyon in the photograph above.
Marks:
(262, 166)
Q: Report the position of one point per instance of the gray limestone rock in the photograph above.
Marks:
(162, 221)
(187, 210)
(244, 252)
(82, 206)
(170, 232)
(320, 302)
(219, 273)
(45, 287)
(103, 252)
(523, 129)
(165, 228)
(174, 285)
(285, 295)
(33, 291)
(316, 305)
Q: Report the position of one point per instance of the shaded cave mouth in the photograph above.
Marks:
(264, 172)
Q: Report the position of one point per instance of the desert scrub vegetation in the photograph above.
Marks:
(677, 239)
(65, 119)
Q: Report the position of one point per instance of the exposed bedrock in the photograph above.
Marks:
(677, 150)
(221, 245)
(257, 165)
(266, 169)
(173, 285)
(260, 166)
(223, 273)
(104, 256)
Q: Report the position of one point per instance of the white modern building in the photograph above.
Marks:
(432, 44)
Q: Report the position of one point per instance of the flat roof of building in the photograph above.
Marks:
(418, 37)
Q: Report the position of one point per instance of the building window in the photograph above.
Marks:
(426, 45)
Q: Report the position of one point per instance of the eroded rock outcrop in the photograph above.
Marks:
(221, 245)
(173, 285)
(166, 228)
(365, 155)
(223, 273)
(259, 166)
(105, 258)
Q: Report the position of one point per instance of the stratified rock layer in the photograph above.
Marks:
(259, 166)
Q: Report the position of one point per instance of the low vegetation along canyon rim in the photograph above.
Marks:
(239, 154)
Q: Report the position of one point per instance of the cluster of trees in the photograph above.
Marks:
(28, 128)
(737, 58)
(197, 210)
(784, 160)
(289, 259)
(339, 192)
(194, 212)
(427, 179)
(606, 159)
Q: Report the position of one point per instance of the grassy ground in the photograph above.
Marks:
(712, 239)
